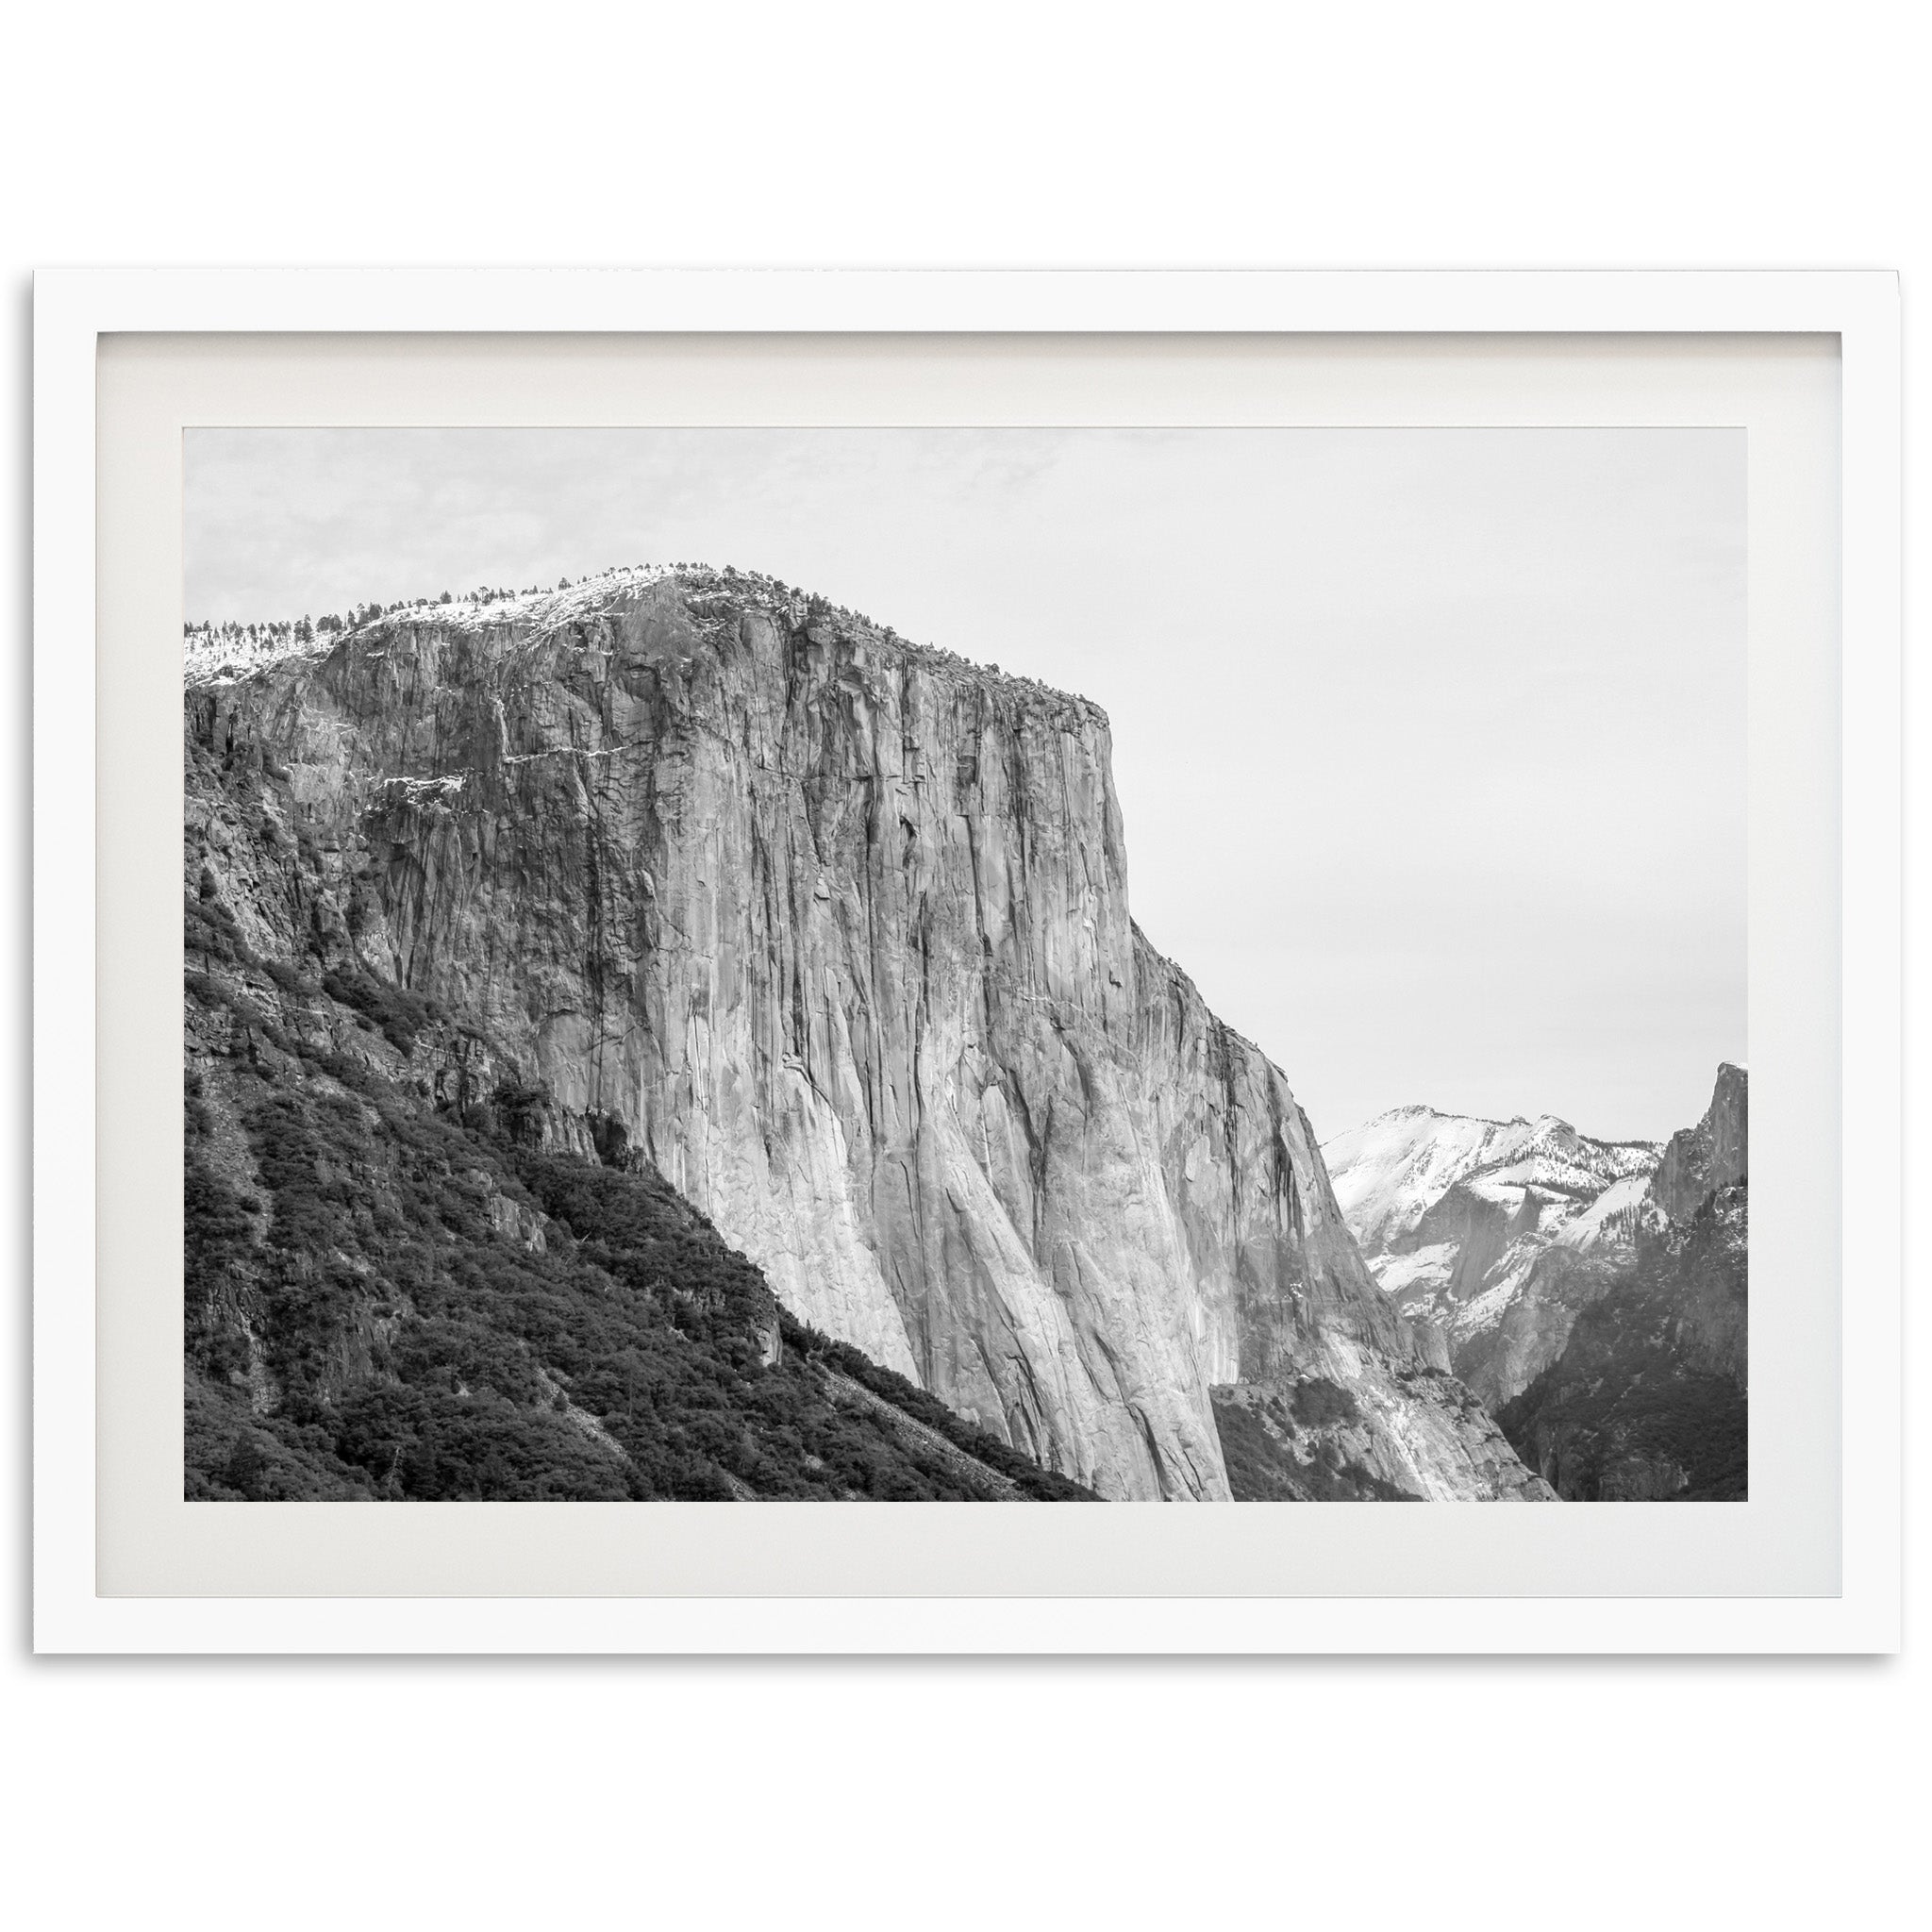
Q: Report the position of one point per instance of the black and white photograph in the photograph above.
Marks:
(1056, 756)
(1023, 964)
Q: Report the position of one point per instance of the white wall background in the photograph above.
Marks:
(299, 1795)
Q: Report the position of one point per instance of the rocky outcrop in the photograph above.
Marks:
(1648, 1398)
(1700, 1161)
(832, 931)
(1310, 1438)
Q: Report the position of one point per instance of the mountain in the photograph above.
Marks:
(1491, 1233)
(826, 931)
(1649, 1397)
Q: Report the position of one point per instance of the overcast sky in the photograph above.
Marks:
(1430, 743)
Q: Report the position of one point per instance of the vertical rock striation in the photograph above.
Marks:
(833, 930)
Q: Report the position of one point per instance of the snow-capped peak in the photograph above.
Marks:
(1458, 1217)
(1391, 1170)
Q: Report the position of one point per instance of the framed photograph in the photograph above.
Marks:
(870, 893)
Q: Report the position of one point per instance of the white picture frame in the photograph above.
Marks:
(74, 310)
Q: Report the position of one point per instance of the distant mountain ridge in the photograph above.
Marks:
(1490, 1232)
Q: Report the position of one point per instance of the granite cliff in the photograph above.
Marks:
(1712, 1156)
(1648, 1399)
(831, 932)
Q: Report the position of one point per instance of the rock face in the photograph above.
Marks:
(832, 931)
(1648, 1399)
(1493, 1233)
(1310, 1438)
(393, 1292)
(1702, 1161)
